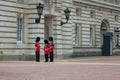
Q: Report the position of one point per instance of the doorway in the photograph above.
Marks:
(48, 26)
(104, 28)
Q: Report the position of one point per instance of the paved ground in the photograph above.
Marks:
(85, 68)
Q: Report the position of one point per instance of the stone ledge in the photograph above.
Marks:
(25, 57)
(80, 54)
(17, 57)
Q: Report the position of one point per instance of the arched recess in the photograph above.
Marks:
(105, 27)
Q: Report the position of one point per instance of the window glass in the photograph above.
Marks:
(92, 14)
(116, 17)
(47, 2)
(91, 36)
(19, 27)
(78, 12)
(76, 34)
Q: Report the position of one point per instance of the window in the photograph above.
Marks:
(116, 2)
(92, 14)
(20, 1)
(91, 36)
(19, 27)
(112, 1)
(47, 2)
(76, 34)
(116, 36)
(106, 0)
(78, 12)
(116, 18)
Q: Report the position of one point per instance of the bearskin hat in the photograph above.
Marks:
(50, 38)
(46, 41)
(37, 39)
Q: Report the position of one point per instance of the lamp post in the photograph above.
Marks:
(117, 35)
(67, 14)
(40, 11)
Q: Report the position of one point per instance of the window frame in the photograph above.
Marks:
(20, 27)
(92, 14)
(78, 11)
(21, 1)
(91, 36)
(77, 35)
(116, 18)
(48, 2)
(92, 40)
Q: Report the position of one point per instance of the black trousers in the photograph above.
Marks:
(46, 57)
(37, 54)
(51, 56)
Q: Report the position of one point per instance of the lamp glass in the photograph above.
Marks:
(40, 9)
(67, 13)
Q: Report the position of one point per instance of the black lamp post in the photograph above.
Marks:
(67, 14)
(117, 35)
(40, 11)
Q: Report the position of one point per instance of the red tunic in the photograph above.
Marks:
(46, 49)
(37, 47)
(51, 47)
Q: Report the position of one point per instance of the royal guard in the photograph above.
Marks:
(51, 49)
(46, 50)
(37, 49)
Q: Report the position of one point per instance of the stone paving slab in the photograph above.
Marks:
(91, 68)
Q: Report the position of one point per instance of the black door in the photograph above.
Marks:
(106, 50)
(106, 46)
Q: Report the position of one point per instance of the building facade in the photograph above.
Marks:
(81, 36)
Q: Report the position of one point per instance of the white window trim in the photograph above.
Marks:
(19, 42)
